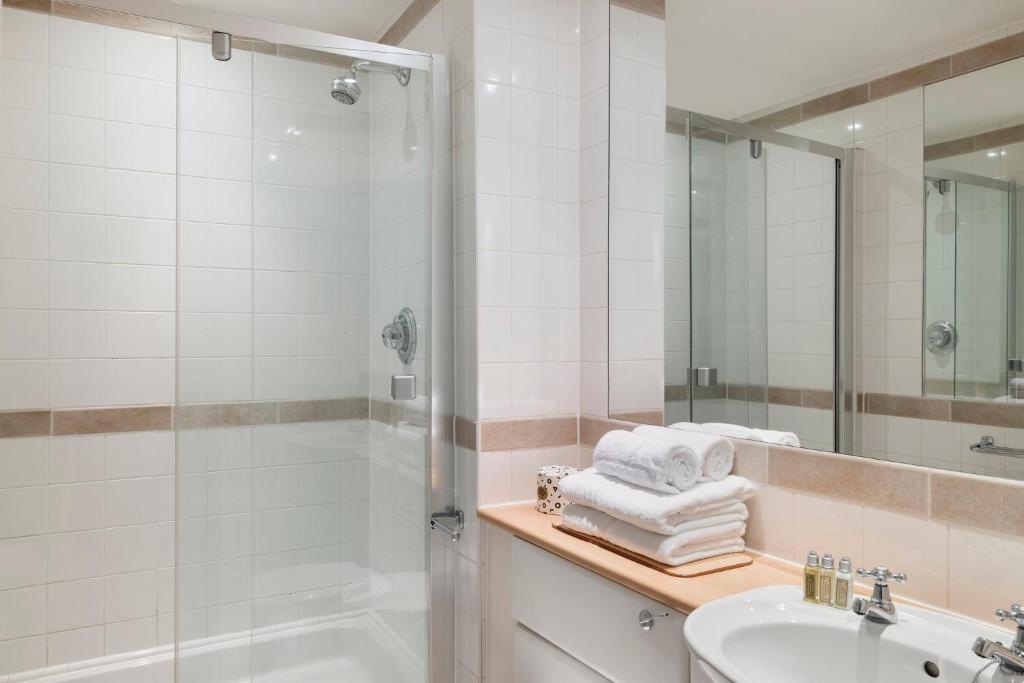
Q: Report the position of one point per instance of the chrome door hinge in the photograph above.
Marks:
(451, 521)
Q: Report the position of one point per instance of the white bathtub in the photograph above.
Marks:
(355, 648)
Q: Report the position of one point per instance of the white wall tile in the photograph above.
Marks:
(75, 604)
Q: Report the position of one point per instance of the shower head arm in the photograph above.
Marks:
(401, 73)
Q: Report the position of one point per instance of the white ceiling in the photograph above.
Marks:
(730, 58)
(975, 102)
(365, 19)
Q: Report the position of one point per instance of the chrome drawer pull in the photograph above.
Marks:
(647, 619)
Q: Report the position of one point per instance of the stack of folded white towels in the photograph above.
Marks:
(663, 493)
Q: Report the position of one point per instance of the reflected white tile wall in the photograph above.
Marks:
(637, 204)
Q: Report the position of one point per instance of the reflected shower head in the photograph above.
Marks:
(346, 90)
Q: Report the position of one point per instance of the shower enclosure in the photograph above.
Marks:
(295, 187)
(970, 283)
(751, 308)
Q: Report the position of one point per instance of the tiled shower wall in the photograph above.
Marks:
(399, 221)
(274, 204)
(275, 302)
(89, 194)
(87, 262)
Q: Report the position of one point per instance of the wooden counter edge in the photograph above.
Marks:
(683, 594)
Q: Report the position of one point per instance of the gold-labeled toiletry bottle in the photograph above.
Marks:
(844, 585)
(827, 580)
(811, 574)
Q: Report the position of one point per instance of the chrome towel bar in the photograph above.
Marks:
(988, 445)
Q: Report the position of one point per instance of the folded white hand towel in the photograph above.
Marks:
(652, 463)
(654, 511)
(740, 432)
(675, 550)
(714, 452)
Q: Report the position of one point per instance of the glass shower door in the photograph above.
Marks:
(302, 490)
(727, 278)
(969, 305)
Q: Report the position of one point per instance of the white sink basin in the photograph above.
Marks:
(770, 635)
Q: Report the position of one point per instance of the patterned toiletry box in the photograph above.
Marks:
(549, 480)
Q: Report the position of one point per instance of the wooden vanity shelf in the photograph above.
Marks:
(711, 565)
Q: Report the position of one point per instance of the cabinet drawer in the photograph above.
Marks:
(596, 620)
(538, 661)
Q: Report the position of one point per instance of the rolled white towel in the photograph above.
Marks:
(662, 513)
(687, 546)
(740, 432)
(714, 452)
(777, 437)
(655, 464)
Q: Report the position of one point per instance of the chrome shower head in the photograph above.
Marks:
(346, 89)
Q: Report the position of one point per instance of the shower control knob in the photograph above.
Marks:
(392, 335)
(399, 335)
(940, 338)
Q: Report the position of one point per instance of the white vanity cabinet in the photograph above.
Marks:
(575, 626)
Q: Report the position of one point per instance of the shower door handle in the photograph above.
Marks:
(451, 521)
(403, 387)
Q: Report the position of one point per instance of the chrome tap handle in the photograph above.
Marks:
(1015, 613)
(881, 575)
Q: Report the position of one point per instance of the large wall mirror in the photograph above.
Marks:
(820, 246)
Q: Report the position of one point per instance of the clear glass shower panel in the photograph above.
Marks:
(969, 285)
(301, 484)
(677, 273)
(982, 288)
(727, 277)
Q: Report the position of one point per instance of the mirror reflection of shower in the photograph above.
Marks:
(970, 286)
(345, 89)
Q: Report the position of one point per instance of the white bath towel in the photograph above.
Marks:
(654, 511)
(655, 464)
(687, 546)
(714, 452)
(740, 432)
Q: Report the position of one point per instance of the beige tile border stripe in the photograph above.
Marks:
(974, 143)
(418, 10)
(647, 417)
(979, 412)
(407, 21)
(510, 435)
(947, 497)
(507, 435)
(105, 17)
(107, 420)
(66, 422)
(956, 64)
(654, 8)
(465, 433)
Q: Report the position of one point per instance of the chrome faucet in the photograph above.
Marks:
(1010, 658)
(879, 607)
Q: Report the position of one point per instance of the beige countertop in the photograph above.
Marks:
(683, 594)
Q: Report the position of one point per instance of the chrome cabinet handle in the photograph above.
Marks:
(646, 619)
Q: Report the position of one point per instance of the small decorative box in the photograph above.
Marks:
(549, 480)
